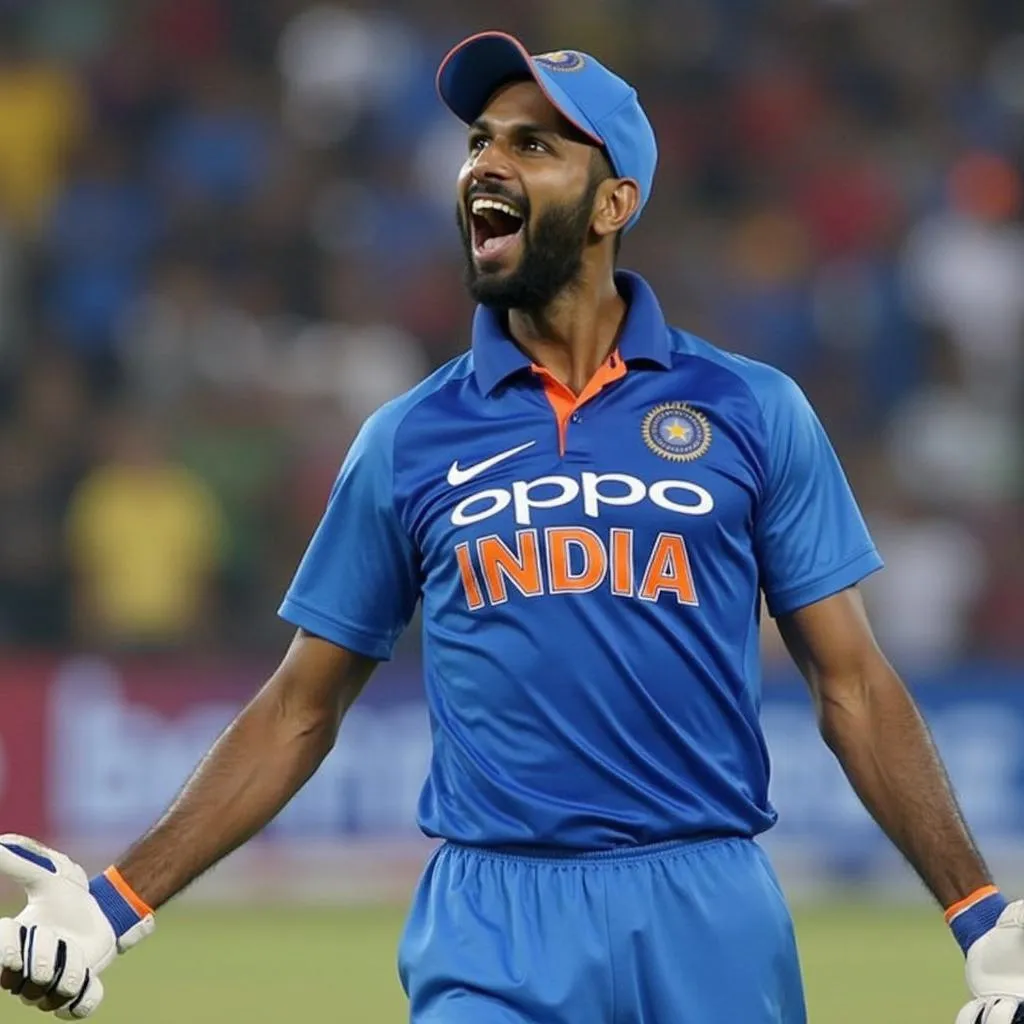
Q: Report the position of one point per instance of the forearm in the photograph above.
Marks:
(252, 771)
(884, 746)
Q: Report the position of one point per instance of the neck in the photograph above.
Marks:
(575, 333)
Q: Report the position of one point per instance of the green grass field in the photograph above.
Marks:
(863, 964)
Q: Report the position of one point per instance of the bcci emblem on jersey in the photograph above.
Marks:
(677, 432)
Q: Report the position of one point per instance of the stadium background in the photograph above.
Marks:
(227, 235)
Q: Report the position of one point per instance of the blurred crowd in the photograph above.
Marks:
(227, 235)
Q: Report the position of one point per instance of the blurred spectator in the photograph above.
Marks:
(236, 221)
(964, 267)
(949, 447)
(53, 407)
(765, 311)
(102, 230)
(339, 65)
(356, 355)
(133, 91)
(363, 219)
(145, 541)
(923, 603)
(999, 617)
(33, 580)
(42, 457)
(229, 441)
(185, 333)
(13, 300)
(42, 112)
(218, 149)
(68, 30)
(188, 32)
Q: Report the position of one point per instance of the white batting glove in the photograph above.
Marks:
(991, 1011)
(995, 967)
(71, 928)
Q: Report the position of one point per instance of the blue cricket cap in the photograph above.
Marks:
(601, 105)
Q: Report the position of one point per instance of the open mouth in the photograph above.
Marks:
(496, 226)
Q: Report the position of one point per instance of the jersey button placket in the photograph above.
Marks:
(576, 447)
(568, 407)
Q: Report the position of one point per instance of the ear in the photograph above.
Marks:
(615, 203)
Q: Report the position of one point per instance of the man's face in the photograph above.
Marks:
(526, 199)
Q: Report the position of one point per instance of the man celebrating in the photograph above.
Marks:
(590, 505)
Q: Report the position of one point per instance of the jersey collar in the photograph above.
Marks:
(644, 336)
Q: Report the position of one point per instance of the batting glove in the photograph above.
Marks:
(71, 928)
(991, 933)
(992, 1011)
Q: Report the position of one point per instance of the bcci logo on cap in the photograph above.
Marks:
(676, 432)
(560, 60)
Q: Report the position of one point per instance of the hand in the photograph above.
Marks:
(992, 1011)
(52, 953)
(995, 972)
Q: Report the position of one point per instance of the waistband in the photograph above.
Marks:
(618, 854)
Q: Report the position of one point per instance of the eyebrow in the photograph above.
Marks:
(529, 128)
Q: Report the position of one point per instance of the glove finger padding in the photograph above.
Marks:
(10, 944)
(992, 1011)
(86, 1002)
(71, 981)
(41, 954)
(34, 866)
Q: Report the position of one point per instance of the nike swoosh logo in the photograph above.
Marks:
(457, 475)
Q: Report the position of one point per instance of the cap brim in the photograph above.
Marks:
(476, 68)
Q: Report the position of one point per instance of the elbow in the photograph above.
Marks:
(313, 725)
(316, 727)
(307, 697)
(832, 731)
(829, 727)
(858, 702)
(842, 707)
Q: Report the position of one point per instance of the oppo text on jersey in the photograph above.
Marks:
(592, 490)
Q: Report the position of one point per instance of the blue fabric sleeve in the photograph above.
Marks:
(810, 536)
(358, 582)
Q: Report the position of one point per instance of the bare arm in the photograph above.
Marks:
(258, 764)
(873, 727)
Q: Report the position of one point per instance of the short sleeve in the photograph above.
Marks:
(810, 537)
(358, 582)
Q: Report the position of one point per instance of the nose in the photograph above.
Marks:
(492, 163)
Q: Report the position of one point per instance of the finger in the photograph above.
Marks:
(68, 980)
(50, 1000)
(10, 944)
(31, 993)
(989, 1011)
(1002, 1011)
(41, 949)
(25, 861)
(28, 990)
(21, 979)
(969, 1014)
(86, 1002)
(72, 978)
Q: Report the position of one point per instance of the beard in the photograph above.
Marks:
(551, 259)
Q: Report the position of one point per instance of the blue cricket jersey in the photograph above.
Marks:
(591, 572)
